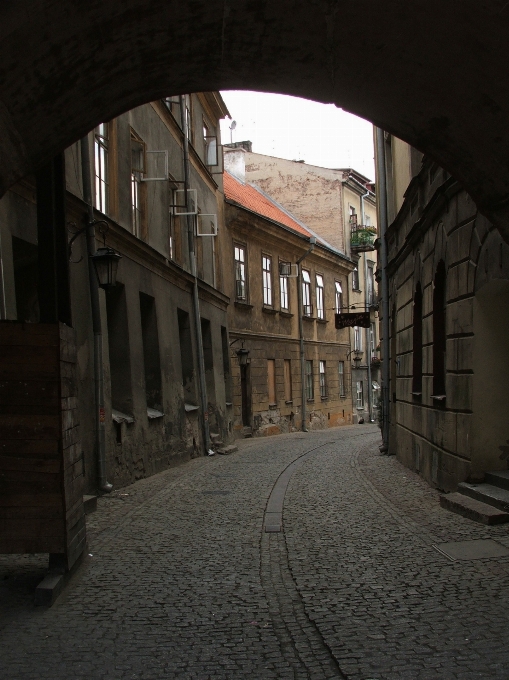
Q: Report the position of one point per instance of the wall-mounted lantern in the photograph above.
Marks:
(106, 265)
(242, 356)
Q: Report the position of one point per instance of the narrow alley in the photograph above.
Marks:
(182, 581)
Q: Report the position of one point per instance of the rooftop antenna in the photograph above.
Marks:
(232, 128)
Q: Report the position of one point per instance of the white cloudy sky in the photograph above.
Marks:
(299, 129)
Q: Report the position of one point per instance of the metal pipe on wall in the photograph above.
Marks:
(196, 297)
(381, 186)
(100, 433)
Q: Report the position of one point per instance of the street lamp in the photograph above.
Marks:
(357, 357)
(242, 356)
(106, 264)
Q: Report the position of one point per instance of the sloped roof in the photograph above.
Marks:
(251, 198)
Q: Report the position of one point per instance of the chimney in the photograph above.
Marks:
(235, 162)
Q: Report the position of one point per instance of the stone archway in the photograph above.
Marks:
(427, 71)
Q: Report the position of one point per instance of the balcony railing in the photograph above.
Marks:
(362, 238)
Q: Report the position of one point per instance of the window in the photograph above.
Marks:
(320, 311)
(339, 297)
(323, 380)
(287, 366)
(372, 338)
(101, 167)
(271, 380)
(118, 348)
(353, 217)
(341, 377)
(417, 342)
(360, 394)
(309, 380)
(137, 170)
(186, 356)
(226, 365)
(210, 156)
(355, 279)
(267, 280)
(189, 117)
(283, 291)
(367, 220)
(240, 273)
(357, 338)
(439, 336)
(307, 307)
(370, 293)
(151, 358)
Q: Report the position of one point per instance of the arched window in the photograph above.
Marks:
(439, 335)
(417, 342)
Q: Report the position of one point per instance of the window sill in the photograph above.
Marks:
(342, 396)
(289, 402)
(438, 397)
(285, 315)
(310, 401)
(189, 408)
(324, 398)
(324, 321)
(308, 318)
(272, 406)
(154, 414)
(242, 305)
(229, 403)
(269, 310)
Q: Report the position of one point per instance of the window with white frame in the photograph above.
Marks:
(320, 311)
(360, 394)
(370, 292)
(372, 337)
(357, 338)
(339, 297)
(137, 170)
(309, 380)
(341, 378)
(355, 279)
(307, 307)
(323, 379)
(101, 167)
(283, 293)
(240, 273)
(267, 279)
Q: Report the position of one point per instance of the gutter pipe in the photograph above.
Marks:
(196, 297)
(368, 342)
(312, 242)
(382, 212)
(100, 433)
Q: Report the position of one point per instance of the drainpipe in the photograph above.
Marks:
(196, 298)
(368, 343)
(100, 433)
(382, 212)
(3, 302)
(312, 242)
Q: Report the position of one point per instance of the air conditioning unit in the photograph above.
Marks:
(288, 270)
(240, 290)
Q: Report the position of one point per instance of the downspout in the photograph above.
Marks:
(3, 302)
(368, 342)
(382, 212)
(196, 298)
(100, 432)
(312, 242)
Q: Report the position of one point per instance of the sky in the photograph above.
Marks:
(300, 129)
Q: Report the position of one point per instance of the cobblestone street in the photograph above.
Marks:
(182, 581)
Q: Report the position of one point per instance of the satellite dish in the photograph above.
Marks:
(233, 125)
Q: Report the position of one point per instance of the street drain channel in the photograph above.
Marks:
(216, 493)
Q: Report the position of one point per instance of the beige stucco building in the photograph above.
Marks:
(340, 206)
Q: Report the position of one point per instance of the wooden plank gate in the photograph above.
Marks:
(41, 465)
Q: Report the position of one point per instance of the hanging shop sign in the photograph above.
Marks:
(350, 320)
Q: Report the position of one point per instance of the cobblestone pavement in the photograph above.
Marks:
(181, 582)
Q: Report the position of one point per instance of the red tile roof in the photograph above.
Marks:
(248, 196)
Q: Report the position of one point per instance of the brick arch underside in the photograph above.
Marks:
(425, 71)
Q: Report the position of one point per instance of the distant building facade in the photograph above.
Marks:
(340, 206)
(274, 299)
